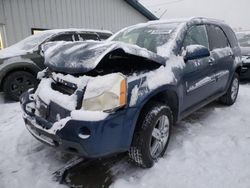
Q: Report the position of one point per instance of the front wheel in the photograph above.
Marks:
(152, 135)
(18, 82)
(230, 97)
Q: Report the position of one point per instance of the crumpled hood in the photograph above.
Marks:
(81, 57)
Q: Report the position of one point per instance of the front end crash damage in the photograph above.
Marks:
(99, 58)
(92, 113)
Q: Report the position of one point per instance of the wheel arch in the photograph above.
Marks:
(6, 71)
(168, 97)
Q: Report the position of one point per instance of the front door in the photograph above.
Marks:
(198, 74)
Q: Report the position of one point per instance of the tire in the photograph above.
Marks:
(231, 95)
(152, 135)
(18, 82)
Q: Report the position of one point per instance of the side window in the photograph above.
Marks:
(217, 37)
(86, 36)
(196, 35)
(64, 37)
(104, 36)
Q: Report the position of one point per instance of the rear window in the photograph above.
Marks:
(217, 37)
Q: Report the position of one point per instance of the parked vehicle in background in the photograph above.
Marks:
(20, 63)
(126, 93)
(244, 40)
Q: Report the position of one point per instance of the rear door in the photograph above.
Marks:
(222, 57)
(198, 73)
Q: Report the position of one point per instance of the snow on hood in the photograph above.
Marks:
(81, 57)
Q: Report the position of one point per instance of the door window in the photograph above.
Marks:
(64, 37)
(196, 35)
(104, 36)
(217, 37)
(87, 36)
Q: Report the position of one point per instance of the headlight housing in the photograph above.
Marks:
(105, 93)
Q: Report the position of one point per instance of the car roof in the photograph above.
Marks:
(190, 20)
(59, 31)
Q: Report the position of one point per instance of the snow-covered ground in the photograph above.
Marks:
(208, 149)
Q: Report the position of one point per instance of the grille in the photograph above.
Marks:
(57, 112)
(43, 109)
(62, 88)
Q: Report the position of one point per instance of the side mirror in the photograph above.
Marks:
(196, 52)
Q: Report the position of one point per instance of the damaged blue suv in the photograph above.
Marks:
(124, 95)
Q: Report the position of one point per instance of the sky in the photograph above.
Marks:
(234, 12)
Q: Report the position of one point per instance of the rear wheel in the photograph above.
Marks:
(230, 97)
(18, 82)
(152, 137)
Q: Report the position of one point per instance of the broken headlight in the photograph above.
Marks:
(105, 93)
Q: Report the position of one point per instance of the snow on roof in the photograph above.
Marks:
(54, 31)
(171, 20)
(185, 19)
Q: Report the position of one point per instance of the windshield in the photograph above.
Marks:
(244, 39)
(150, 37)
(32, 41)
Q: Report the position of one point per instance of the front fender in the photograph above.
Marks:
(144, 95)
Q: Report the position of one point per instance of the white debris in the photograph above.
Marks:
(84, 115)
(80, 81)
(164, 74)
(134, 96)
(41, 74)
(58, 125)
(47, 94)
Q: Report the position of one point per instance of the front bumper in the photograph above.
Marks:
(106, 137)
